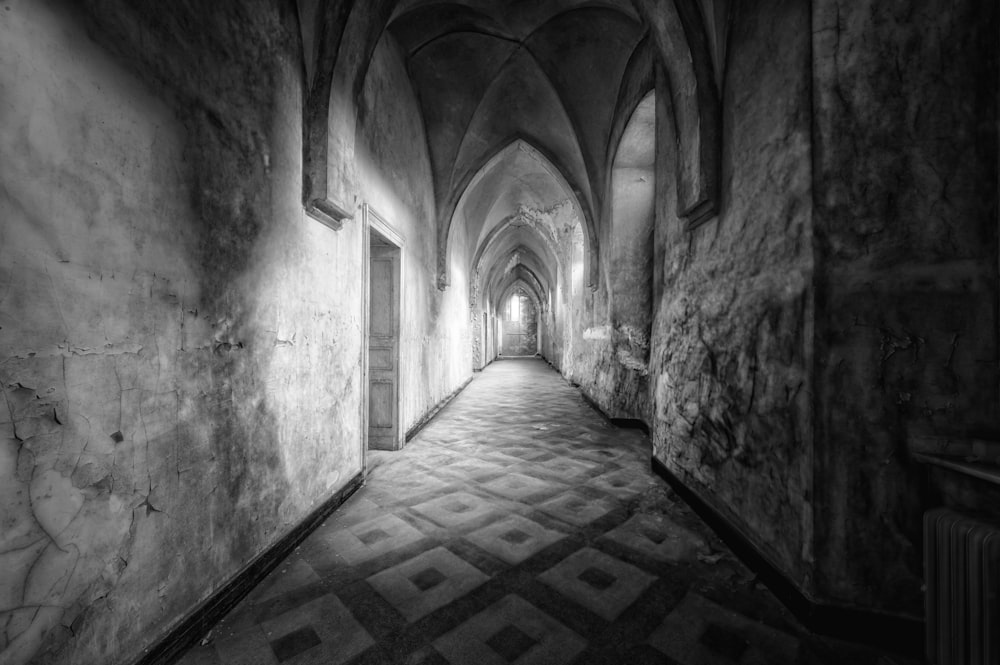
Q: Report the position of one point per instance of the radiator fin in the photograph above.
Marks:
(962, 560)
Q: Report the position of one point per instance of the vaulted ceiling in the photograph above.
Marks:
(524, 104)
(519, 100)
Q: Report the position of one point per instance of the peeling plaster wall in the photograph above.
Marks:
(179, 344)
(394, 177)
(731, 350)
(906, 225)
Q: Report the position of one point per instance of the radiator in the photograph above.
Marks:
(962, 573)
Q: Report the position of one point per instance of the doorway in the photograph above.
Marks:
(520, 326)
(384, 431)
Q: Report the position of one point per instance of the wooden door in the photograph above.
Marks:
(383, 346)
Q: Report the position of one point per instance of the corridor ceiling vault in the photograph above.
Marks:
(524, 104)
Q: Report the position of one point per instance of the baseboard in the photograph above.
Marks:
(624, 423)
(436, 409)
(190, 630)
(630, 423)
(902, 635)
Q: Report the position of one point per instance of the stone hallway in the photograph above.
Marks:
(518, 526)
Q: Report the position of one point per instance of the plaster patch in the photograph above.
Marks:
(597, 332)
(54, 501)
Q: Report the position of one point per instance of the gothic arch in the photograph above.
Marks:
(446, 236)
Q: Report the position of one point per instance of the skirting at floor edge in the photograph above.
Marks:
(900, 634)
(436, 409)
(189, 630)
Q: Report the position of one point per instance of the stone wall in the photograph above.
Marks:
(606, 360)
(841, 308)
(731, 356)
(179, 343)
(906, 239)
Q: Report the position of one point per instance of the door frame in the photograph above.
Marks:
(372, 221)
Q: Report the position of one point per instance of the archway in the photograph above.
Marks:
(519, 323)
(631, 253)
(519, 186)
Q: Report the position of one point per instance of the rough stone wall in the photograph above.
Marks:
(179, 343)
(394, 177)
(906, 221)
(607, 361)
(731, 350)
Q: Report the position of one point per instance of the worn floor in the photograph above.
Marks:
(518, 527)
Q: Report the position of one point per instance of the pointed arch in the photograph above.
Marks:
(513, 285)
(499, 272)
(573, 194)
(630, 254)
(685, 54)
(496, 244)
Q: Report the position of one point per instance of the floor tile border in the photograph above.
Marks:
(189, 630)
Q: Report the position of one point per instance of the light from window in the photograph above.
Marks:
(514, 308)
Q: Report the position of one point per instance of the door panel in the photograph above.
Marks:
(379, 358)
(383, 348)
(380, 405)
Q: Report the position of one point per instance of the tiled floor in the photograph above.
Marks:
(518, 527)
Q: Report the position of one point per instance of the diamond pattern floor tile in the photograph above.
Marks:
(426, 582)
(520, 487)
(699, 632)
(659, 537)
(517, 526)
(603, 584)
(320, 631)
(514, 538)
(369, 539)
(576, 508)
(511, 631)
(457, 509)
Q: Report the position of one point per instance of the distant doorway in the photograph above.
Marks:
(384, 298)
(520, 326)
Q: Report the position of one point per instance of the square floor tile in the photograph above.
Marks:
(291, 574)
(510, 631)
(290, 645)
(659, 537)
(519, 487)
(599, 582)
(576, 508)
(249, 647)
(356, 509)
(369, 539)
(527, 453)
(514, 538)
(403, 486)
(699, 632)
(503, 458)
(604, 455)
(457, 509)
(625, 483)
(511, 643)
(320, 631)
(570, 469)
(474, 468)
(428, 578)
(426, 582)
